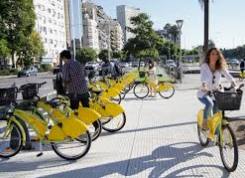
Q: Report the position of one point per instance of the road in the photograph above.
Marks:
(159, 140)
(41, 77)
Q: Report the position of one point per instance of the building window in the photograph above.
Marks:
(45, 30)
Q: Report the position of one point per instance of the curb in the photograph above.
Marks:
(13, 76)
(7, 76)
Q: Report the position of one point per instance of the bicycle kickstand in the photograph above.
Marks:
(41, 149)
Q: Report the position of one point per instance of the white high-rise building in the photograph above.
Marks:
(100, 31)
(116, 36)
(90, 31)
(124, 14)
(50, 23)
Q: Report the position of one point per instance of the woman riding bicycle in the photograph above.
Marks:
(212, 69)
(152, 77)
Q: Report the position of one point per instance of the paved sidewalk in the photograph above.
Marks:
(159, 140)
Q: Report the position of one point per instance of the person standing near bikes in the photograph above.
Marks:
(242, 66)
(152, 76)
(74, 78)
(212, 69)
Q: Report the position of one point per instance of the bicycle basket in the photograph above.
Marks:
(8, 96)
(29, 91)
(228, 100)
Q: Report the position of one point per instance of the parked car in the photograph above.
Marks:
(28, 71)
(171, 64)
(233, 63)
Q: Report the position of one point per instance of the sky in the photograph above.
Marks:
(227, 18)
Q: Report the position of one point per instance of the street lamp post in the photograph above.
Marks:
(180, 67)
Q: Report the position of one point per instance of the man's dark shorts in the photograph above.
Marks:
(76, 98)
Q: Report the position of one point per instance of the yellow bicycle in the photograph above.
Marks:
(68, 136)
(89, 116)
(242, 76)
(219, 130)
(113, 115)
(142, 88)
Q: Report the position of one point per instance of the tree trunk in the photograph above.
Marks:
(206, 26)
(12, 58)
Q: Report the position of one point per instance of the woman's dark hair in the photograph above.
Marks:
(221, 63)
(65, 54)
(151, 63)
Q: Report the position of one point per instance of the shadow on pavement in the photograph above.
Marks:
(161, 160)
(21, 165)
(150, 128)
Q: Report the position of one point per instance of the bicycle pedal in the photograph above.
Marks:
(39, 154)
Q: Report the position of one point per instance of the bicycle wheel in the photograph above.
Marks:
(202, 136)
(166, 94)
(117, 99)
(228, 148)
(11, 139)
(114, 124)
(125, 91)
(141, 90)
(95, 130)
(73, 149)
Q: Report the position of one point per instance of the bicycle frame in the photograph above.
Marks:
(106, 108)
(63, 122)
(86, 115)
(214, 123)
(161, 86)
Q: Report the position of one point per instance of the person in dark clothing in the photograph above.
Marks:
(106, 68)
(74, 78)
(242, 66)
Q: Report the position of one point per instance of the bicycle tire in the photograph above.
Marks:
(66, 157)
(235, 146)
(117, 100)
(162, 93)
(141, 85)
(20, 143)
(114, 129)
(98, 129)
(205, 142)
(127, 90)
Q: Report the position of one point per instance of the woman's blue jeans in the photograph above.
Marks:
(210, 106)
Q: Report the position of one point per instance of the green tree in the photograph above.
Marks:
(32, 49)
(4, 50)
(17, 20)
(169, 49)
(85, 55)
(103, 55)
(172, 32)
(146, 41)
(36, 45)
(118, 54)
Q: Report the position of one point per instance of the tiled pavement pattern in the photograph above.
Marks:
(159, 140)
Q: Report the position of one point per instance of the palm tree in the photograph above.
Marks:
(205, 5)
